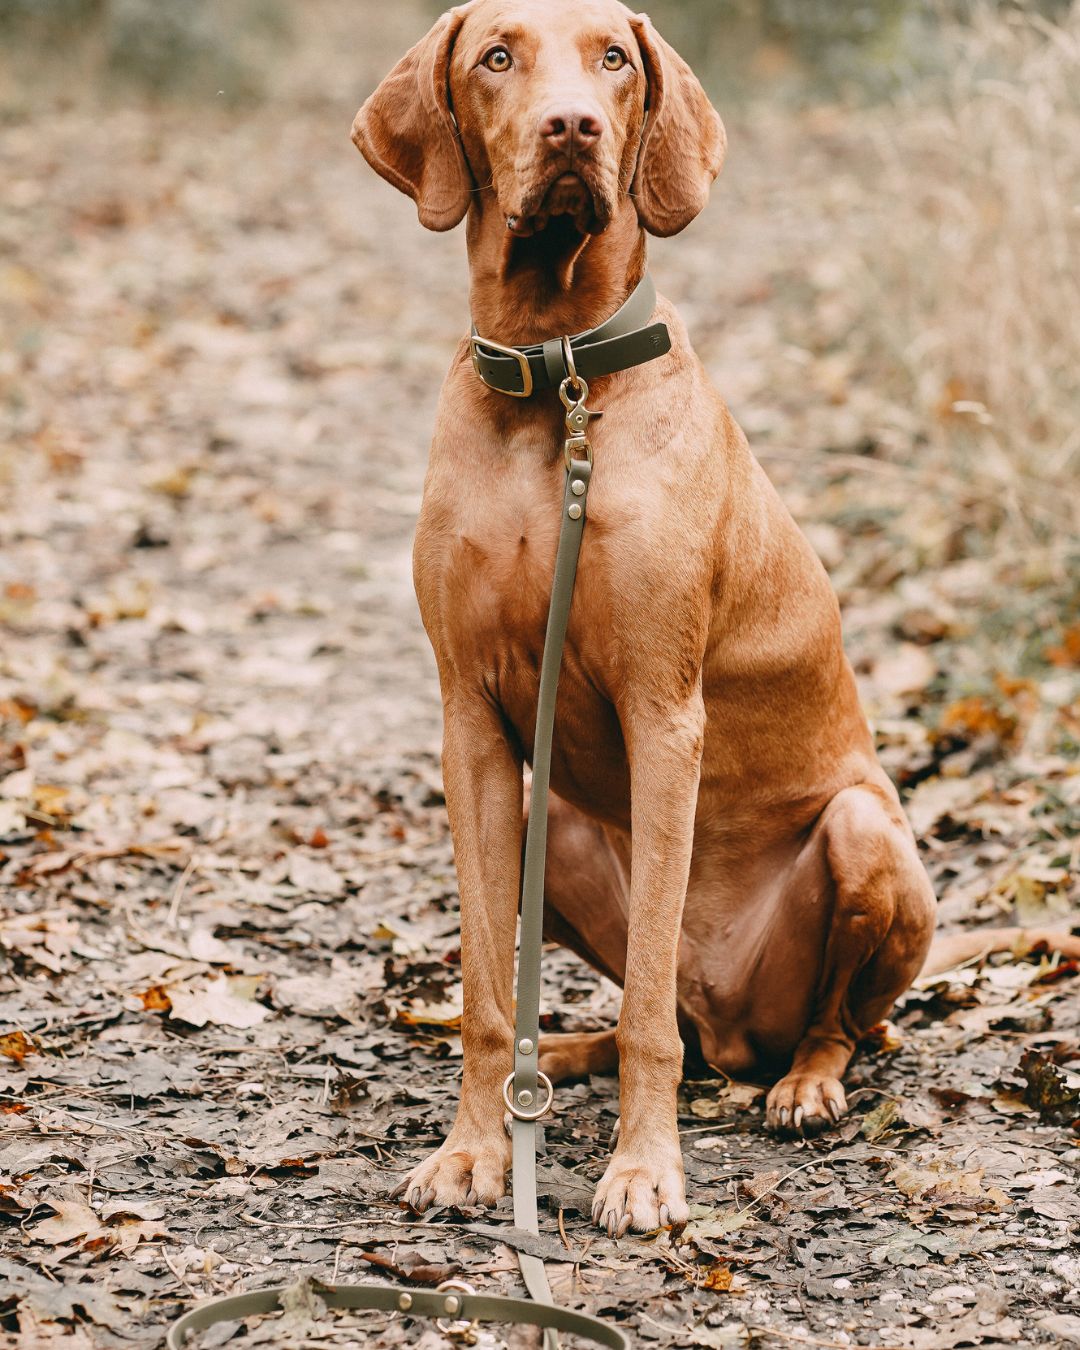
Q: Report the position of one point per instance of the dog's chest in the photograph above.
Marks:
(484, 566)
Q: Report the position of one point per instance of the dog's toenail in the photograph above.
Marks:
(834, 1109)
(665, 1216)
(797, 1121)
(785, 1116)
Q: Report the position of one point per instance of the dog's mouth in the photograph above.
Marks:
(567, 194)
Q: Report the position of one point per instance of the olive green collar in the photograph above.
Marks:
(626, 339)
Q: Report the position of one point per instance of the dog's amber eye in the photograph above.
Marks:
(498, 60)
(614, 58)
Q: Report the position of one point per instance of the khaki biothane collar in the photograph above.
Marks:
(626, 339)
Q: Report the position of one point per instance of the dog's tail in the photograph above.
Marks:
(954, 949)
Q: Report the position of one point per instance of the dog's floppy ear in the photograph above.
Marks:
(682, 149)
(406, 130)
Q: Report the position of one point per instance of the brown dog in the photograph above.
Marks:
(724, 843)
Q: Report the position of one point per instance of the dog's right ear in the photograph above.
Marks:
(406, 130)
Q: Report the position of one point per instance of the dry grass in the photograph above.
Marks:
(971, 268)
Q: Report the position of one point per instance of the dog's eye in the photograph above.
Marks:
(614, 58)
(498, 60)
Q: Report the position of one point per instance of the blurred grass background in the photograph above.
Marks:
(960, 121)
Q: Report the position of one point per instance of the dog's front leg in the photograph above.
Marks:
(483, 782)
(643, 1186)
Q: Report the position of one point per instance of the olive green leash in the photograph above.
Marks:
(527, 1093)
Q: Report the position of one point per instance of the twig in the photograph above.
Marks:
(562, 1230)
(350, 1223)
(180, 1279)
(178, 891)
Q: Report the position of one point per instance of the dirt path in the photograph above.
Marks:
(229, 1004)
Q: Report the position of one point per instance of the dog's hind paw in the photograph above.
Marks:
(460, 1174)
(804, 1104)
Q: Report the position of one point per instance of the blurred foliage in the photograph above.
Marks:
(801, 48)
(184, 46)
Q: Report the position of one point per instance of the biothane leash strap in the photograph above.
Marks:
(626, 339)
(455, 1299)
(455, 1307)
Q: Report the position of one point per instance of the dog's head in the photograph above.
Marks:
(559, 107)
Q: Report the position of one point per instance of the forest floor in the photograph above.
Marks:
(230, 995)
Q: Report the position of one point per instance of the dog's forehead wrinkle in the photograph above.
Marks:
(553, 24)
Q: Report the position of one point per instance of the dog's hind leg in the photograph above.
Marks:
(878, 936)
(578, 1054)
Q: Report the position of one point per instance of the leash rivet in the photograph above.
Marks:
(577, 487)
(405, 1302)
(525, 1097)
(525, 1046)
(575, 511)
(451, 1304)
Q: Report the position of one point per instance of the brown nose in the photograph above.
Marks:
(570, 128)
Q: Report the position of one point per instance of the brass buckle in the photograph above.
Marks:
(476, 343)
(462, 1329)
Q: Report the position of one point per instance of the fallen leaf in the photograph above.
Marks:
(223, 1002)
(1051, 1090)
(16, 1045)
(72, 1220)
(906, 669)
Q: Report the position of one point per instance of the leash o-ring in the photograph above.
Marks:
(461, 1329)
(519, 1112)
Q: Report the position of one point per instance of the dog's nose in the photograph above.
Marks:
(570, 128)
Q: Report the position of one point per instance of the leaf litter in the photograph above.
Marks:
(230, 1003)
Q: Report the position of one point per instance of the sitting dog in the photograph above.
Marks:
(723, 842)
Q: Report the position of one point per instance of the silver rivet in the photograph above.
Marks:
(525, 1097)
(525, 1046)
(577, 487)
(452, 1304)
(575, 511)
(404, 1302)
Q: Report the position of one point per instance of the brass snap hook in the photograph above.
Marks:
(462, 1328)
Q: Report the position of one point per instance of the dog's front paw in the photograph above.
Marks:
(466, 1170)
(642, 1189)
(804, 1103)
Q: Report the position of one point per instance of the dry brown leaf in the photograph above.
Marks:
(906, 669)
(72, 1220)
(16, 1045)
(939, 1185)
(222, 1002)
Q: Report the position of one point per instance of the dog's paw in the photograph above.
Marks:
(461, 1173)
(804, 1103)
(640, 1192)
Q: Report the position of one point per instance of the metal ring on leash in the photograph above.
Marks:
(521, 1111)
(572, 377)
(462, 1328)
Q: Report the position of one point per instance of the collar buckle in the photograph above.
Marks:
(475, 345)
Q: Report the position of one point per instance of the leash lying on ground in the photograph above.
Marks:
(522, 1090)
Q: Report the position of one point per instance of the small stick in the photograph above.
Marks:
(178, 891)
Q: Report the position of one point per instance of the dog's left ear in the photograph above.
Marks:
(682, 149)
(406, 130)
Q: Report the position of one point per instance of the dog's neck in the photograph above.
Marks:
(556, 282)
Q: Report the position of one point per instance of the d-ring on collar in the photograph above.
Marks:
(626, 339)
